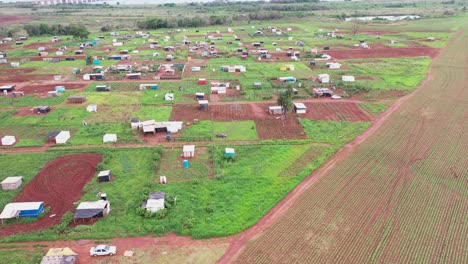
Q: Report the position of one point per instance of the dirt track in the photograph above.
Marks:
(59, 184)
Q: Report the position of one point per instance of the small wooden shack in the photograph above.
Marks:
(76, 99)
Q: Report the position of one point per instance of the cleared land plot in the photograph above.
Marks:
(383, 53)
(58, 185)
(335, 111)
(289, 128)
(228, 112)
(400, 197)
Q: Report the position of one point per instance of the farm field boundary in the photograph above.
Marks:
(364, 206)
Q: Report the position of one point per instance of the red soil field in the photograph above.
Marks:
(22, 75)
(227, 112)
(290, 128)
(383, 53)
(59, 184)
(44, 88)
(335, 111)
(10, 19)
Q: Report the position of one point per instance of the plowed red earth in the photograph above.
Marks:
(59, 184)
(382, 52)
(229, 112)
(22, 75)
(28, 89)
(10, 19)
(335, 112)
(290, 128)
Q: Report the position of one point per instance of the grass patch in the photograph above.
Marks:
(336, 133)
(20, 256)
(239, 130)
(93, 134)
(200, 129)
(375, 109)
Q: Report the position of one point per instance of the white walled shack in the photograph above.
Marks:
(347, 78)
(12, 183)
(275, 110)
(91, 108)
(300, 108)
(188, 151)
(8, 140)
(109, 138)
(62, 137)
(323, 78)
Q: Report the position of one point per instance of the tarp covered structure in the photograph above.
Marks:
(8, 140)
(12, 183)
(22, 209)
(155, 201)
(98, 208)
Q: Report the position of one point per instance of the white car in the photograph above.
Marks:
(103, 250)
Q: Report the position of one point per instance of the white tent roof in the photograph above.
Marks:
(230, 150)
(188, 148)
(275, 107)
(8, 140)
(104, 173)
(12, 209)
(202, 102)
(13, 179)
(100, 204)
(110, 138)
(155, 205)
(300, 106)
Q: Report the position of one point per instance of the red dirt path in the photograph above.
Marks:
(59, 184)
(382, 52)
(10, 19)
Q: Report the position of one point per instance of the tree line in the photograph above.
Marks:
(77, 31)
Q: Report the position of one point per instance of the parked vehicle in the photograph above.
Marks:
(103, 250)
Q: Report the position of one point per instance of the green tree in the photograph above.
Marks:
(285, 100)
(78, 31)
(89, 60)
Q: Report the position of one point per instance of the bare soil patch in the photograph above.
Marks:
(59, 184)
(225, 112)
(289, 128)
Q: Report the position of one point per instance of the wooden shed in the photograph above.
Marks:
(76, 99)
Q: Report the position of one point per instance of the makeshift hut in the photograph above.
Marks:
(103, 88)
(347, 78)
(333, 65)
(155, 202)
(323, 78)
(275, 110)
(322, 92)
(87, 210)
(60, 256)
(169, 97)
(12, 183)
(60, 137)
(43, 109)
(110, 138)
(202, 104)
(134, 122)
(188, 151)
(200, 96)
(104, 176)
(229, 152)
(91, 108)
(76, 99)
(22, 209)
(8, 140)
(300, 108)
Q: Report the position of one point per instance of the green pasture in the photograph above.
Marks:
(336, 133)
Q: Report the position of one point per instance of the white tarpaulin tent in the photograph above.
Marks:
(188, 151)
(8, 140)
(27, 209)
(300, 108)
(91, 108)
(12, 183)
(62, 137)
(110, 138)
(347, 78)
(155, 202)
